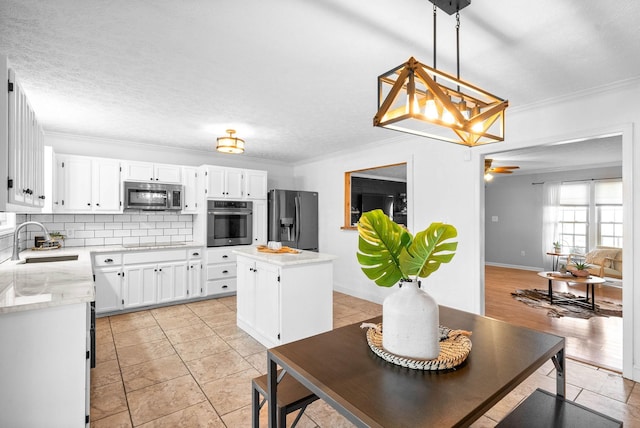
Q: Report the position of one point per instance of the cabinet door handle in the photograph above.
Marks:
(195, 254)
(160, 270)
(225, 286)
(89, 204)
(225, 256)
(108, 260)
(225, 271)
(155, 270)
(41, 197)
(97, 205)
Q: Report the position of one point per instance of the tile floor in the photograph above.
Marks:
(190, 366)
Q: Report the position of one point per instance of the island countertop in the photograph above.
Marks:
(27, 286)
(285, 259)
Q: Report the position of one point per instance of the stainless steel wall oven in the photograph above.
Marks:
(229, 223)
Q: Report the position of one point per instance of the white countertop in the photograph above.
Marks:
(27, 286)
(285, 259)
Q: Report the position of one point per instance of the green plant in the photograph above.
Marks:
(581, 265)
(557, 245)
(57, 235)
(388, 253)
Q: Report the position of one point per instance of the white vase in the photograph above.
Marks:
(410, 321)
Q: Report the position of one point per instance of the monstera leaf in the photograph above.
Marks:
(388, 253)
(380, 244)
(428, 250)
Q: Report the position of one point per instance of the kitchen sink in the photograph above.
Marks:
(48, 259)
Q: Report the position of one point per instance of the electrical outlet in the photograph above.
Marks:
(494, 218)
(522, 253)
(68, 233)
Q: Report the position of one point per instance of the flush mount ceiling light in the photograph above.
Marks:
(425, 101)
(230, 144)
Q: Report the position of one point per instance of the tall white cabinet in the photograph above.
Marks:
(21, 148)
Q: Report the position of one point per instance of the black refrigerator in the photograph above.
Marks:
(293, 218)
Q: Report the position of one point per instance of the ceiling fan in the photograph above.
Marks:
(489, 170)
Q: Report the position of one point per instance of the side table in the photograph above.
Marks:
(555, 257)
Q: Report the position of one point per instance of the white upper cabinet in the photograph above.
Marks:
(191, 189)
(25, 149)
(145, 171)
(85, 184)
(106, 185)
(224, 183)
(235, 183)
(255, 184)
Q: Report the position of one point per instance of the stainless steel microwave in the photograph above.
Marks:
(152, 196)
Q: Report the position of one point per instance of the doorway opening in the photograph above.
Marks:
(516, 249)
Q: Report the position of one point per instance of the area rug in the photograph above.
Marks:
(539, 299)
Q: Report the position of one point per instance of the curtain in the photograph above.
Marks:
(550, 203)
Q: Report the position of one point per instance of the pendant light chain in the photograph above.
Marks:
(435, 10)
(458, 45)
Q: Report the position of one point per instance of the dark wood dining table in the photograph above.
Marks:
(340, 368)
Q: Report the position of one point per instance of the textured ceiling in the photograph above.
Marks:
(296, 78)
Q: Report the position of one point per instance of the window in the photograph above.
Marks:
(574, 228)
(608, 200)
(7, 222)
(590, 214)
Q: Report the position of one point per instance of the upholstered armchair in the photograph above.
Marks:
(603, 261)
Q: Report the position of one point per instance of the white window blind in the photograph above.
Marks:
(574, 193)
(609, 193)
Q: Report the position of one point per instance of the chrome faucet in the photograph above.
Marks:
(16, 247)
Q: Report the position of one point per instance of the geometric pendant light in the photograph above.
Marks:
(425, 101)
(229, 143)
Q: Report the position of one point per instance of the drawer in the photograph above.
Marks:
(221, 271)
(194, 253)
(220, 286)
(133, 257)
(220, 256)
(107, 259)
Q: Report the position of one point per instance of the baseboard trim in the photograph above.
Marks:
(532, 268)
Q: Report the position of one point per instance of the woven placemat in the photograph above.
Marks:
(455, 347)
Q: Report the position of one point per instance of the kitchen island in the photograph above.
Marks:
(284, 297)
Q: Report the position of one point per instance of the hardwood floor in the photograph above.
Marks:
(596, 341)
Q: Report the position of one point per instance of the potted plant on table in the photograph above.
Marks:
(580, 269)
(557, 247)
(389, 254)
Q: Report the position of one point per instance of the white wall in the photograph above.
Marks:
(280, 175)
(445, 183)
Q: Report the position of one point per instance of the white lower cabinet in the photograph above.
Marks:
(278, 303)
(258, 303)
(108, 289)
(107, 274)
(45, 367)
(172, 281)
(220, 272)
(194, 273)
(139, 278)
(139, 287)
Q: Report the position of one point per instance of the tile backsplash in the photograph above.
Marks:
(83, 230)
